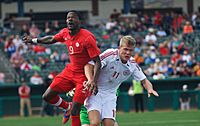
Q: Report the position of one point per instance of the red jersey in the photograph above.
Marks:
(24, 91)
(82, 48)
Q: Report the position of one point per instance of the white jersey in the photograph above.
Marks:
(114, 72)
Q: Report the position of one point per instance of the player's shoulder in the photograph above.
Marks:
(64, 31)
(86, 32)
(109, 53)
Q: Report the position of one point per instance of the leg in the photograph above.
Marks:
(49, 94)
(141, 103)
(43, 111)
(94, 117)
(136, 103)
(116, 124)
(78, 99)
(108, 122)
(59, 85)
(29, 107)
(75, 113)
(84, 117)
(21, 107)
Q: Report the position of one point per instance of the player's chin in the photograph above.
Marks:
(127, 58)
(70, 27)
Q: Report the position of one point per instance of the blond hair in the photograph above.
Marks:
(129, 40)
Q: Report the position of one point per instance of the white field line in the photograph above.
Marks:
(161, 122)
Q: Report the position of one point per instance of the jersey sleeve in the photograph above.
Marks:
(59, 36)
(137, 73)
(91, 46)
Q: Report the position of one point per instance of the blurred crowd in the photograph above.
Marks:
(164, 44)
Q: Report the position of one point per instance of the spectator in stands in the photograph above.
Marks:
(2, 77)
(151, 38)
(55, 57)
(64, 58)
(42, 62)
(34, 31)
(36, 79)
(175, 58)
(17, 41)
(187, 29)
(150, 70)
(186, 56)
(24, 31)
(35, 66)
(7, 21)
(24, 94)
(163, 67)
(25, 66)
(138, 58)
(110, 25)
(161, 32)
(198, 72)
(157, 19)
(163, 49)
(185, 98)
(177, 22)
(16, 60)
(55, 27)
(39, 49)
(9, 47)
(158, 75)
(47, 28)
(115, 15)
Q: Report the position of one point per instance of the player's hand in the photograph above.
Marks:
(27, 39)
(151, 91)
(92, 87)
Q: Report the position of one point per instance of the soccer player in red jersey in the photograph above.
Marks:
(82, 48)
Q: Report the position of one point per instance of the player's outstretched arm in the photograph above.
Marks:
(149, 87)
(43, 40)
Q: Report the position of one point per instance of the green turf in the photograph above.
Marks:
(171, 118)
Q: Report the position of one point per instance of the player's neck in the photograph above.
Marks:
(74, 32)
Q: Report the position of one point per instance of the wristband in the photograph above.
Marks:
(35, 40)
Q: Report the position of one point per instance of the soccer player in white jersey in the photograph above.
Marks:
(117, 66)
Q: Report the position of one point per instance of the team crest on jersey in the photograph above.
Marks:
(126, 72)
(77, 44)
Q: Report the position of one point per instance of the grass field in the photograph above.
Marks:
(170, 118)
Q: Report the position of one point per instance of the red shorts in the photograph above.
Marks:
(67, 80)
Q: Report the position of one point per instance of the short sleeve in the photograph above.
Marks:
(137, 73)
(59, 36)
(106, 56)
(91, 46)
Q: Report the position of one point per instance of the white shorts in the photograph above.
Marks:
(105, 104)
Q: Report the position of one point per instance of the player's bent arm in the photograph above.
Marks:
(46, 40)
(89, 71)
(43, 40)
(97, 68)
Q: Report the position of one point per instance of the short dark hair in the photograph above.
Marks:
(74, 11)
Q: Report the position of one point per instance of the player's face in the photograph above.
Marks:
(125, 52)
(72, 21)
